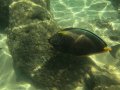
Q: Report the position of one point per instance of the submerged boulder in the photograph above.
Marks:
(4, 14)
(30, 27)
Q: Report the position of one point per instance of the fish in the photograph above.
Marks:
(78, 42)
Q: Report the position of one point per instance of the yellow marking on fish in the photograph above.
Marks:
(107, 49)
(66, 33)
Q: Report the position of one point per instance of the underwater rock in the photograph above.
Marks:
(103, 24)
(27, 12)
(100, 81)
(114, 35)
(63, 72)
(45, 4)
(4, 14)
(115, 3)
(28, 36)
(115, 51)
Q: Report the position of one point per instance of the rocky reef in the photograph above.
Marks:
(30, 26)
(4, 14)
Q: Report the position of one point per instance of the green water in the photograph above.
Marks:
(99, 16)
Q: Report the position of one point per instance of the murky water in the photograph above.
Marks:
(99, 16)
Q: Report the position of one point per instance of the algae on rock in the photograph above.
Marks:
(4, 14)
(30, 27)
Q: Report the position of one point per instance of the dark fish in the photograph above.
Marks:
(78, 42)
